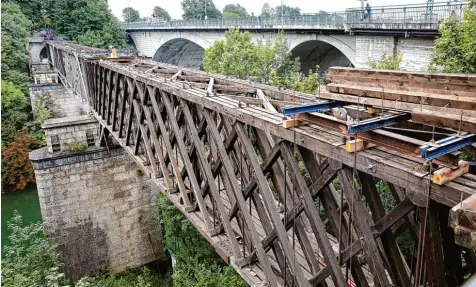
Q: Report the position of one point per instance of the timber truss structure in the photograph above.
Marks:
(284, 205)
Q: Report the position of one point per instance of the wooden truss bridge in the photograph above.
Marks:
(287, 187)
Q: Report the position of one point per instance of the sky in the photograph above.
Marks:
(307, 6)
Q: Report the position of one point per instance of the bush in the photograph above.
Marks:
(17, 170)
(137, 278)
(77, 147)
(387, 62)
(30, 260)
(197, 262)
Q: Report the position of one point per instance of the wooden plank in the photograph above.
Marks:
(311, 212)
(451, 101)
(291, 123)
(328, 199)
(392, 104)
(210, 87)
(174, 77)
(185, 158)
(206, 168)
(240, 199)
(357, 145)
(445, 174)
(171, 156)
(270, 206)
(362, 225)
(146, 141)
(466, 123)
(396, 262)
(284, 188)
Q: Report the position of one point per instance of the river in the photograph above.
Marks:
(27, 204)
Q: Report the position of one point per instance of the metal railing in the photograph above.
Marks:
(386, 17)
(405, 16)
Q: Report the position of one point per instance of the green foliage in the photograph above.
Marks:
(234, 11)
(43, 110)
(287, 10)
(267, 10)
(387, 62)
(17, 171)
(197, 263)
(455, 50)
(77, 147)
(161, 12)
(267, 63)
(139, 171)
(130, 15)
(137, 278)
(468, 155)
(94, 25)
(14, 111)
(30, 260)
(15, 33)
(195, 10)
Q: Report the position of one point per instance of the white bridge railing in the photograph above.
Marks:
(418, 16)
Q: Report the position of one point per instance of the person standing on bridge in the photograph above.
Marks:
(369, 10)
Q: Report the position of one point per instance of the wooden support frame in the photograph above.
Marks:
(165, 125)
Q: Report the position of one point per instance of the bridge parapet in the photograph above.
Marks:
(404, 17)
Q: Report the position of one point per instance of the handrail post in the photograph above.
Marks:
(404, 17)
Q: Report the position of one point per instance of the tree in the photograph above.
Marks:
(234, 11)
(267, 10)
(197, 262)
(16, 166)
(287, 10)
(32, 10)
(268, 63)
(455, 49)
(15, 112)
(161, 12)
(89, 23)
(30, 260)
(130, 15)
(195, 9)
(15, 33)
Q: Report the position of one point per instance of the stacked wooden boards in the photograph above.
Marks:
(443, 100)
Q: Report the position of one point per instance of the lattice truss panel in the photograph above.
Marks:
(265, 200)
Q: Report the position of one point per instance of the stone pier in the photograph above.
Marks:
(96, 204)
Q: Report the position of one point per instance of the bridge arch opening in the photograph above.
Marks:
(44, 54)
(180, 52)
(314, 52)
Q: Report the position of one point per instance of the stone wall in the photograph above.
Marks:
(416, 52)
(97, 210)
(187, 49)
(65, 133)
(66, 104)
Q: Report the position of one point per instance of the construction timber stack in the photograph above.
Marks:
(287, 186)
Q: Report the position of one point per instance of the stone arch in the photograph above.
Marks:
(325, 51)
(43, 54)
(181, 52)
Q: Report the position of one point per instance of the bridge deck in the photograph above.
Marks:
(217, 148)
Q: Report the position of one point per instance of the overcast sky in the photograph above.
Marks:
(307, 6)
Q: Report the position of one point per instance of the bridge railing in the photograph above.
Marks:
(385, 17)
(321, 20)
(405, 16)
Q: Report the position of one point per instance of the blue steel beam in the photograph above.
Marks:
(375, 123)
(446, 146)
(129, 52)
(309, 108)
